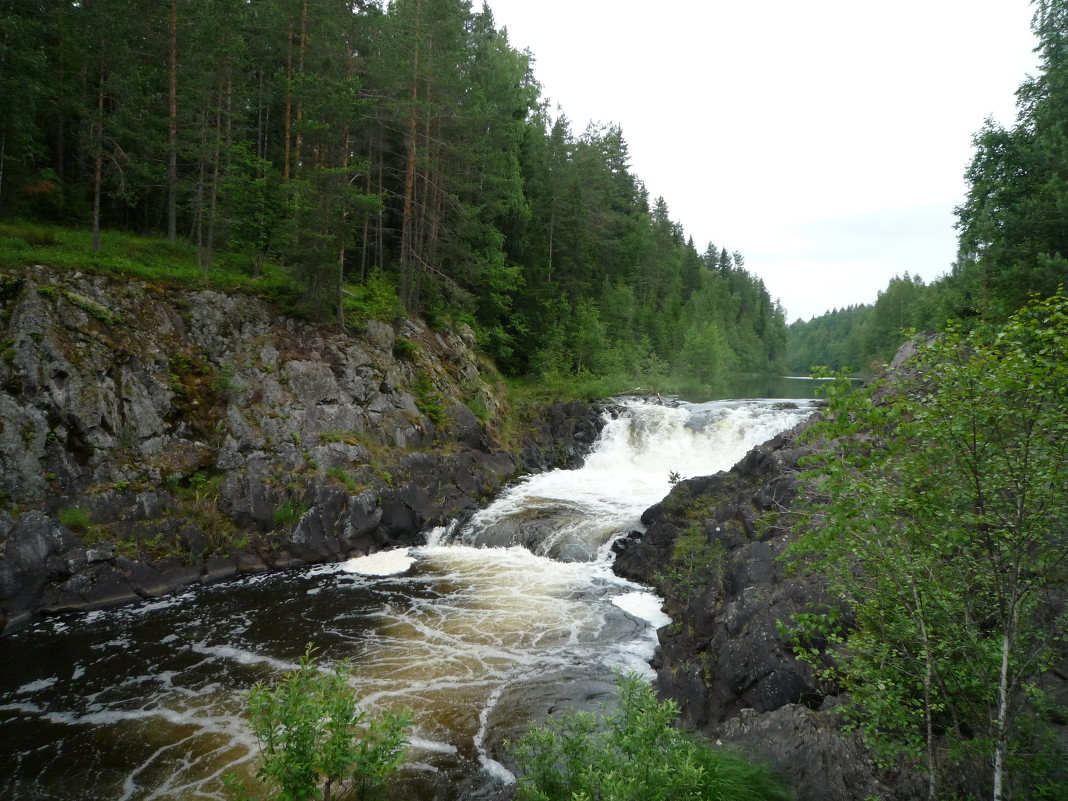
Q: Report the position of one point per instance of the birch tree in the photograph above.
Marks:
(943, 526)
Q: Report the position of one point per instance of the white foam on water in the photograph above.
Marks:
(36, 686)
(431, 746)
(242, 656)
(383, 563)
(644, 605)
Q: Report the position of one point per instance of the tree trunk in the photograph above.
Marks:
(262, 117)
(98, 161)
(213, 203)
(407, 259)
(380, 222)
(3, 154)
(928, 683)
(342, 235)
(197, 233)
(172, 126)
(1001, 731)
(289, 103)
(300, 71)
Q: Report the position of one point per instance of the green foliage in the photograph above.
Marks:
(429, 401)
(75, 518)
(634, 754)
(290, 512)
(341, 475)
(480, 408)
(315, 742)
(696, 565)
(404, 348)
(374, 299)
(227, 382)
(815, 638)
(943, 501)
(153, 260)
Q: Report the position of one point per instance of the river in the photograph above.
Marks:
(480, 631)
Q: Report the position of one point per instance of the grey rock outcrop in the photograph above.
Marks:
(823, 762)
(152, 437)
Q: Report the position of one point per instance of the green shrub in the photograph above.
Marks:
(480, 408)
(75, 519)
(290, 512)
(696, 563)
(314, 740)
(404, 348)
(342, 475)
(634, 754)
(375, 299)
(429, 400)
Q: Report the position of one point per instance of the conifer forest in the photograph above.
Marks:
(368, 148)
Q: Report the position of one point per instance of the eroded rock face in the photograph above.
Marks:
(727, 653)
(822, 762)
(199, 435)
(726, 660)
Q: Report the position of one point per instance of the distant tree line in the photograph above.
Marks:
(861, 337)
(356, 142)
(1012, 228)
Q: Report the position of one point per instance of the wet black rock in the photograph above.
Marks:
(821, 761)
(725, 659)
(727, 652)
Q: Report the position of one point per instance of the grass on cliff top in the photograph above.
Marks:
(158, 261)
(24, 244)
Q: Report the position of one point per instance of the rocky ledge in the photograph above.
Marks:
(153, 437)
(725, 660)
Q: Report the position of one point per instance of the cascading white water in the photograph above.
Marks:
(473, 632)
(572, 514)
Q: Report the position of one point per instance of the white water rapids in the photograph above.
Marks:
(480, 631)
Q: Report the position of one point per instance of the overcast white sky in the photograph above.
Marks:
(824, 139)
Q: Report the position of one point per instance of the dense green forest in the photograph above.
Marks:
(1012, 228)
(363, 144)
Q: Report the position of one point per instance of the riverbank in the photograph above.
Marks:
(154, 437)
(725, 659)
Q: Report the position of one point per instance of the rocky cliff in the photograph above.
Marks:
(725, 660)
(151, 437)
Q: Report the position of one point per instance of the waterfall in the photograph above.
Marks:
(486, 627)
(572, 515)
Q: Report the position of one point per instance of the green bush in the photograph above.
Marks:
(696, 564)
(634, 754)
(314, 740)
(75, 519)
(428, 399)
(374, 299)
(289, 512)
(404, 348)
